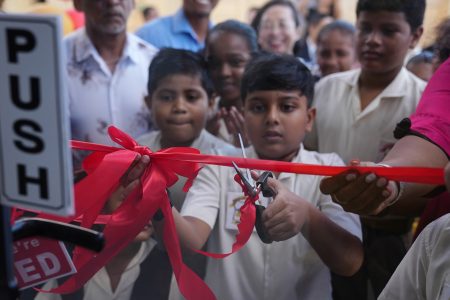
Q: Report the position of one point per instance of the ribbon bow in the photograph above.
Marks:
(105, 167)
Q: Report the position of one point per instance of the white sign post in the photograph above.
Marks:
(35, 163)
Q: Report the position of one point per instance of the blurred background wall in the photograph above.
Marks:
(238, 9)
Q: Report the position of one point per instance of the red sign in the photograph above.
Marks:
(37, 260)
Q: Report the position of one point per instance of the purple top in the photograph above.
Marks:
(432, 117)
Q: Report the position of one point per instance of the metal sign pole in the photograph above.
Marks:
(8, 286)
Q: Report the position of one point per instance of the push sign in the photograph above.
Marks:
(35, 165)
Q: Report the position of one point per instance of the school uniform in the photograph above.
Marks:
(99, 287)
(341, 126)
(282, 270)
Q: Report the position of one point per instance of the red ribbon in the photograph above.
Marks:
(108, 164)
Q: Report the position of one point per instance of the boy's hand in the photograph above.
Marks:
(285, 216)
(128, 183)
(363, 194)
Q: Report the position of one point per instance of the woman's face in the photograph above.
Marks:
(277, 32)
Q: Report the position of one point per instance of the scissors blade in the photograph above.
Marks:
(249, 176)
(248, 185)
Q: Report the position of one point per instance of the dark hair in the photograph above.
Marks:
(170, 61)
(269, 72)
(238, 28)
(442, 44)
(422, 57)
(257, 20)
(338, 25)
(414, 10)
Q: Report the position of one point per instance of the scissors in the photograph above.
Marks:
(253, 190)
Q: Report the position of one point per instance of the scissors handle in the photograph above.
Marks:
(262, 183)
(260, 229)
(267, 192)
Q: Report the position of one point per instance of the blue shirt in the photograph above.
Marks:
(172, 31)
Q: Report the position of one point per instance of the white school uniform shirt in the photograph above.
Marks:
(99, 286)
(342, 127)
(424, 272)
(99, 98)
(282, 270)
(205, 142)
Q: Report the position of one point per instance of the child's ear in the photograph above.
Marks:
(311, 114)
(416, 34)
(148, 101)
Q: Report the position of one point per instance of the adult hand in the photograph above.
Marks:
(285, 216)
(363, 194)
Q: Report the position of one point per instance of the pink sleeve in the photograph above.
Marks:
(432, 117)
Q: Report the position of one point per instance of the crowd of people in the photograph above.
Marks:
(296, 84)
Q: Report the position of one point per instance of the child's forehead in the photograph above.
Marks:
(381, 15)
(275, 95)
(177, 80)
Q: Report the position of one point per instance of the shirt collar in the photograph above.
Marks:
(397, 88)
(84, 48)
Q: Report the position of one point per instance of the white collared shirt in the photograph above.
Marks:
(342, 127)
(282, 270)
(424, 272)
(99, 98)
(205, 142)
(99, 286)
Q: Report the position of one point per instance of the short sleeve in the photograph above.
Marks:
(432, 117)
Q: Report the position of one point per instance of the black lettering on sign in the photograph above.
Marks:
(35, 93)
(19, 40)
(24, 180)
(27, 130)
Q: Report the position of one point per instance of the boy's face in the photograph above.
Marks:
(227, 56)
(383, 40)
(179, 106)
(277, 122)
(335, 52)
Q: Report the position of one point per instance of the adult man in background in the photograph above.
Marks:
(187, 29)
(107, 73)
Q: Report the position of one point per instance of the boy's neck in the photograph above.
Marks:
(167, 144)
(377, 81)
(371, 85)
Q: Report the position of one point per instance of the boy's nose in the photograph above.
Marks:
(374, 37)
(272, 116)
(179, 105)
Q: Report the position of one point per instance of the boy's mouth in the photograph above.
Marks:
(371, 55)
(272, 136)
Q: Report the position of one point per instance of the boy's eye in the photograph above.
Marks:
(257, 108)
(388, 31)
(287, 107)
(166, 97)
(192, 96)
